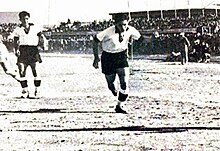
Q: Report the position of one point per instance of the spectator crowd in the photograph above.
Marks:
(76, 36)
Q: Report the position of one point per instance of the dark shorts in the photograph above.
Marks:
(111, 61)
(29, 54)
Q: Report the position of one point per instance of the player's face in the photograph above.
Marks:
(25, 20)
(123, 25)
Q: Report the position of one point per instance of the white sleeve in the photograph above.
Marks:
(103, 33)
(135, 34)
(14, 34)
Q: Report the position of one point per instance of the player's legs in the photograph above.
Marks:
(22, 67)
(110, 81)
(7, 66)
(3, 66)
(13, 74)
(123, 74)
(37, 81)
(114, 64)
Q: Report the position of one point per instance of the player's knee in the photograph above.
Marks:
(124, 86)
(24, 83)
(3, 66)
(22, 74)
(37, 83)
(111, 86)
(122, 97)
(35, 74)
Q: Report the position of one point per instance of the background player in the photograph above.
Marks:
(26, 39)
(6, 62)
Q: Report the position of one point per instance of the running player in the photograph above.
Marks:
(114, 59)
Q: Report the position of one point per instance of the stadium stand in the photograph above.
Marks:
(75, 37)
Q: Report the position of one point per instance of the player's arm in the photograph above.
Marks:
(95, 52)
(136, 35)
(141, 39)
(41, 41)
(3, 66)
(40, 46)
(16, 46)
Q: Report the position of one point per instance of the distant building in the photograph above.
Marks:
(9, 17)
(212, 12)
(174, 13)
(174, 10)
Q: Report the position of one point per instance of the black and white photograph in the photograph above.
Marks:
(110, 75)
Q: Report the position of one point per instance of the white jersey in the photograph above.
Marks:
(3, 53)
(29, 38)
(110, 39)
(8, 59)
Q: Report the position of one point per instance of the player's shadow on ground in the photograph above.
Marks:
(122, 128)
(54, 111)
(128, 128)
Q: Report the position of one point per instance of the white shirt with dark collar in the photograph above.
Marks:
(110, 39)
(29, 38)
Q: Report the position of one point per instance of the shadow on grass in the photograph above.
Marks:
(122, 128)
(128, 128)
(54, 111)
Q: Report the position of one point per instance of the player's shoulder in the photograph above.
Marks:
(17, 28)
(107, 31)
(110, 29)
(37, 27)
(131, 27)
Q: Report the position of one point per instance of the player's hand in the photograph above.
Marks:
(96, 63)
(39, 48)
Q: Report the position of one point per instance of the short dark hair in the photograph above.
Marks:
(23, 14)
(120, 17)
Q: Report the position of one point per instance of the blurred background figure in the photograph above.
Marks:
(184, 45)
(6, 62)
